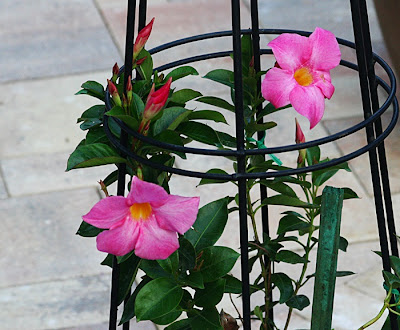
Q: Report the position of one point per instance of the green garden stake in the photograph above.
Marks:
(327, 254)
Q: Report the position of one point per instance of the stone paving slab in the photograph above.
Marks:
(41, 244)
(46, 172)
(41, 114)
(52, 38)
(3, 189)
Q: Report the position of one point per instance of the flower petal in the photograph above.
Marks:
(323, 82)
(154, 242)
(309, 102)
(277, 86)
(107, 212)
(121, 239)
(291, 50)
(178, 213)
(325, 50)
(146, 192)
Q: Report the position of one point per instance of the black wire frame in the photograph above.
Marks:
(372, 124)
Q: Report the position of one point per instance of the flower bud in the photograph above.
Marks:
(140, 61)
(300, 139)
(141, 39)
(156, 100)
(129, 93)
(115, 72)
(114, 93)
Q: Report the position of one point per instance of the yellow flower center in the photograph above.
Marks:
(303, 76)
(140, 211)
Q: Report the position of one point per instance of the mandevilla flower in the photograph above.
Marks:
(141, 39)
(146, 221)
(302, 76)
(156, 100)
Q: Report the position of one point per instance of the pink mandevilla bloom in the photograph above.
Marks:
(147, 221)
(302, 76)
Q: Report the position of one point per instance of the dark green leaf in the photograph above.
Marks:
(93, 155)
(92, 117)
(269, 108)
(293, 180)
(321, 176)
(349, 193)
(253, 128)
(284, 284)
(209, 225)
(221, 76)
(96, 135)
(343, 244)
(217, 102)
(137, 106)
(298, 302)
(111, 178)
(395, 263)
(211, 181)
(391, 280)
(174, 115)
(187, 254)
(211, 295)
(341, 273)
(92, 88)
(208, 115)
(181, 72)
(153, 269)
(157, 298)
(291, 222)
(313, 155)
(108, 261)
(279, 187)
(119, 113)
(184, 95)
(287, 201)
(180, 325)
(217, 262)
(146, 68)
(128, 270)
(167, 318)
(199, 132)
(226, 139)
(171, 264)
(87, 230)
(194, 280)
(290, 257)
(208, 318)
(232, 285)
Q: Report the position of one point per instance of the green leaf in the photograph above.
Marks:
(153, 269)
(96, 135)
(93, 155)
(194, 280)
(221, 76)
(290, 257)
(279, 187)
(92, 88)
(284, 284)
(128, 271)
(254, 127)
(217, 262)
(343, 244)
(170, 264)
(387, 324)
(211, 181)
(137, 106)
(298, 302)
(119, 113)
(208, 115)
(111, 178)
(395, 264)
(349, 193)
(180, 325)
(217, 102)
(146, 68)
(226, 139)
(208, 318)
(313, 155)
(287, 201)
(187, 254)
(181, 72)
(341, 273)
(157, 298)
(321, 176)
(291, 222)
(258, 312)
(184, 95)
(209, 225)
(211, 295)
(167, 318)
(391, 280)
(199, 132)
(171, 137)
(173, 115)
(269, 108)
(87, 230)
(293, 180)
(232, 284)
(92, 117)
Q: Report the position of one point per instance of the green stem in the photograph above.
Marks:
(379, 315)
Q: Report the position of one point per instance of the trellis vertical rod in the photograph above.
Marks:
(378, 131)
(122, 167)
(360, 35)
(241, 161)
(255, 37)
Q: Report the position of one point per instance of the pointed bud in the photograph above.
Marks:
(129, 93)
(300, 139)
(156, 100)
(115, 72)
(142, 38)
(140, 62)
(114, 93)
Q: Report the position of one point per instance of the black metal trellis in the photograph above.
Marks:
(372, 124)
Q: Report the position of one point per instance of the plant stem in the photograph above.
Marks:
(377, 317)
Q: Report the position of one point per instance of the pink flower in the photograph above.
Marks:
(142, 38)
(147, 221)
(302, 77)
(156, 100)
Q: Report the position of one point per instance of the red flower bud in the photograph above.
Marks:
(156, 100)
(142, 38)
(115, 72)
(140, 62)
(114, 93)
(129, 94)
(300, 139)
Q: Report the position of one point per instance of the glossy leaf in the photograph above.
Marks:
(343, 244)
(170, 264)
(287, 201)
(298, 302)
(173, 115)
(199, 132)
(279, 187)
(212, 181)
(187, 254)
(232, 284)
(96, 135)
(217, 262)
(211, 295)
(157, 298)
(395, 264)
(253, 128)
(128, 271)
(321, 176)
(291, 222)
(92, 88)
(313, 155)
(208, 115)
(168, 318)
(93, 155)
(194, 280)
(171, 137)
(290, 257)
(87, 230)
(184, 95)
(284, 284)
(209, 225)
(119, 113)
(221, 76)
(137, 106)
(181, 72)
(180, 325)
(146, 68)
(217, 102)
(92, 117)
(208, 318)
(153, 269)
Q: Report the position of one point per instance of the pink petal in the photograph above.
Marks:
(178, 213)
(277, 86)
(309, 102)
(119, 240)
(291, 50)
(323, 81)
(325, 50)
(154, 242)
(107, 212)
(146, 192)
